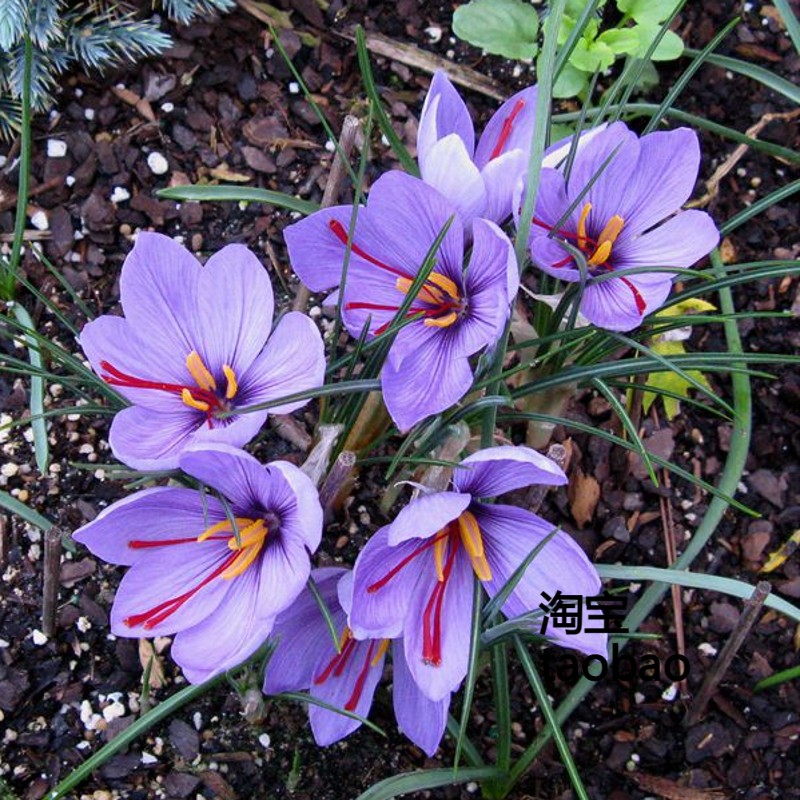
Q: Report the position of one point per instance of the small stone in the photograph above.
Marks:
(120, 194)
(294, 87)
(39, 220)
(56, 148)
(113, 711)
(147, 758)
(9, 469)
(158, 163)
(89, 113)
(707, 649)
(38, 637)
(264, 740)
(167, 108)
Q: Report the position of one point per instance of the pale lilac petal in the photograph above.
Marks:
(500, 177)
(280, 574)
(680, 242)
(147, 516)
(298, 508)
(443, 113)
(496, 470)
(510, 128)
(158, 288)
(382, 611)
(425, 384)
(224, 639)
(620, 304)
(420, 719)
(557, 152)
(352, 689)
(301, 634)
(292, 361)
(315, 252)
(151, 582)
(437, 682)
(509, 536)
(426, 515)
(372, 296)
(550, 257)
(234, 431)
(450, 170)
(234, 310)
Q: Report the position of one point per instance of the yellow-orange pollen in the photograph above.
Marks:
(205, 398)
(470, 535)
(605, 242)
(438, 290)
(246, 542)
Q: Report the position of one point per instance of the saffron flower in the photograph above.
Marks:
(414, 577)
(479, 180)
(195, 344)
(192, 573)
(629, 217)
(345, 676)
(455, 313)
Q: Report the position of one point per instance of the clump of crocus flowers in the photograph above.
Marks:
(224, 562)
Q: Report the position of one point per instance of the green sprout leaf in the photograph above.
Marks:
(592, 55)
(571, 82)
(647, 11)
(668, 49)
(504, 27)
(622, 41)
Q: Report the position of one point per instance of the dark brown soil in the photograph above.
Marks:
(224, 102)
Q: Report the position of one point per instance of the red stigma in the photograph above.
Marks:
(372, 588)
(641, 306)
(432, 616)
(505, 131)
(341, 234)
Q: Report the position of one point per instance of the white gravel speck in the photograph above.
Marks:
(120, 194)
(167, 108)
(39, 220)
(294, 87)
(38, 637)
(88, 113)
(56, 148)
(113, 711)
(9, 469)
(157, 163)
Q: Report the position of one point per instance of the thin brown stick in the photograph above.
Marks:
(333, 187)
(338, 484)
(3, 539)
(752, 608)
(535, 495)
(52, 577)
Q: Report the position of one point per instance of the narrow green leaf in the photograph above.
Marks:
(424, 779)
(237, 194)
(19, 508)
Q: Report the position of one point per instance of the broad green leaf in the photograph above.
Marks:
(670, 381)
(647, 11)
(504, 27)
(571, 82)
(591, 56)
(621, 40)
(668, 49)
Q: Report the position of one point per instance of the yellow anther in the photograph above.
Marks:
(347, 635)
(436, 289)
(230, 377)
(441, 322)
(202, 377)
(612, 229)
(245, 558)
(187, 398)
(473, 543)
(600, 256)
(443, 283)
(382, 648)
(439, 550)
(223, 527)
(582, 225)
(253, 533)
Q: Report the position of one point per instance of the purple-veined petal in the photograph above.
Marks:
(160, 513)
(551, 258)
(620, 304)
(425, 383)
(443, 113)
(292, 361)
(234, 310)
(438, 681)
(680, 242)
(509, 535)
(500, 177)
(302, 634)
(175, 588)
(298, 508)
(384, 579)
(158, 288)
(420, 719)
(450, 170)
(351, 688)
(557, 152)
(426, 515)
(496, 470)
(510, 128)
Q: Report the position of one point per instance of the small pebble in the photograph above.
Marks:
(9, 469)
(120, 195)
(56, 148)
(167, 108)
(670, 693)
(39, 220)
(157, 163)
(147, 758)
(264, 740)
(294, 87)
(88, 113)
(707, 649)
(434, 34)
(38, 637)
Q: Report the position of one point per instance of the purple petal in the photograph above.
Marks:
(500, 177)
(620, 304)
(147, 516)
(426, 515)
(234, 310)
(496, 470)
(438, 681)
(443, 113)
(426, 383)
(558, 151)
(158, 287)
(420, 719)
(450, 170)
(509, 535)
(298, 508)
(510, 128)
(302, 635)
(392, 573)
(292, 361)
(352, 689)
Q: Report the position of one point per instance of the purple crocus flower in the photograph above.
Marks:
(414, 578)
(346, 678)
(478, 180)
(629, 217)
(195, 342)
(192, 574)
(456, 313)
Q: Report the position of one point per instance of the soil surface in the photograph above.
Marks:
(224, 106)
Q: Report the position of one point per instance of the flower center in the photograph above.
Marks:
(461, 532)
(203, 396)
(246, 542)
(375, 651)
(505, 131)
